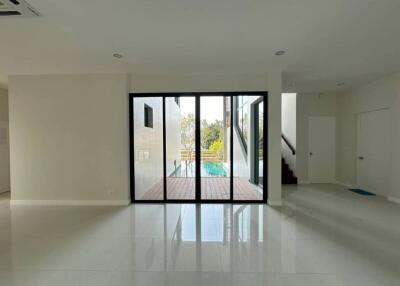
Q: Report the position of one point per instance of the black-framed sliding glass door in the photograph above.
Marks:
(198, 147)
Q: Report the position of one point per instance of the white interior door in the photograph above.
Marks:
(373, 151)
(321, 150)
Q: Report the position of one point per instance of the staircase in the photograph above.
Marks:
(288, 177)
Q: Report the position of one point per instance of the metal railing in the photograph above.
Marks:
(289, 145)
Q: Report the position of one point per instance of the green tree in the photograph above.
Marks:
(218, 148)
(210, 133)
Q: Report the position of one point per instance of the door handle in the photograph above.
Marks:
(360, 158)
(311, 153)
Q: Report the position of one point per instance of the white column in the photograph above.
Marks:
(274, 83)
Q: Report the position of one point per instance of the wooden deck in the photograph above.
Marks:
(211, 189)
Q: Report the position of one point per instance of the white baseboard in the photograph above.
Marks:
(275, 203)
(393, 199)
(334, 182)
(343, 184)
(69, 203)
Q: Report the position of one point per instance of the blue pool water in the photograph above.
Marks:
(208, 169)
(213, 169)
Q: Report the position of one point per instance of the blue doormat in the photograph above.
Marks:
(361, 192)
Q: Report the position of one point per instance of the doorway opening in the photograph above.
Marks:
(289, 138)
(198, 147)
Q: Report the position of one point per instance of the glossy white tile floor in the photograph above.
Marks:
(324, 235)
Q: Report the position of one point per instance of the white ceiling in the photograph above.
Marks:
(327, 41)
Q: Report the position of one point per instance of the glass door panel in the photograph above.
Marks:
(259, 162)
(148, 148)
(180, 147)
(245, 140)
(215, 147)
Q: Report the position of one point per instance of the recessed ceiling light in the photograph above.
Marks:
(341, 84)
(118, 56)
(280, 53)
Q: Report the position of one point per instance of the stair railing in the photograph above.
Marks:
(288, 144)
(288, 154)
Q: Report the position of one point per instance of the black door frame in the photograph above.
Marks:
(197, 96)
(255, 109)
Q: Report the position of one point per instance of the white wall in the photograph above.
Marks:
(69, 133)
(4, 144)
(289, 123)
(3, 105)
(383, 93)
(309, 104)
(272, 82)
(69, 137)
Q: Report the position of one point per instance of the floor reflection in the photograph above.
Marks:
(204, 237)
(323, 235)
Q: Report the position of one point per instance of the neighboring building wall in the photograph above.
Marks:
(69, 138)
(383, 93)
(289, 123)
(173, 132)
(240, 159)
(309, 104)
(4, 143)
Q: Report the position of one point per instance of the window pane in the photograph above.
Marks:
(148, 116)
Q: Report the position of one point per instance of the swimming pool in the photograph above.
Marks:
(213, 169)
(208, 169)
